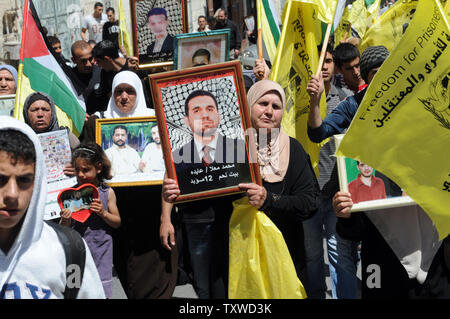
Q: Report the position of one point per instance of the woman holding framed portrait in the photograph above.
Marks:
(145, 269)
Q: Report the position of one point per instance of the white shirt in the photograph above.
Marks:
(211, 145)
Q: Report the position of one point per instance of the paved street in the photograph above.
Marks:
(187, 291)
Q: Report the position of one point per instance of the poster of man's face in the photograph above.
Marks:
(155, 22)
(206, 134)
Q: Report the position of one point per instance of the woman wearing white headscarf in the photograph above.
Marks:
(290, 192)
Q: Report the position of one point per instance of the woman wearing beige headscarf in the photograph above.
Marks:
(290, 192)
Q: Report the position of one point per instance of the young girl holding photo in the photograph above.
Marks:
(93, 167)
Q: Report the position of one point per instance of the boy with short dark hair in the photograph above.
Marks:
(33, 262)
(346, 57)
(56, 45)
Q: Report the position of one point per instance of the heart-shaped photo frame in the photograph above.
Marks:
(78, 200)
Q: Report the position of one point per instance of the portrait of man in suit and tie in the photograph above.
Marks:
(209, 160)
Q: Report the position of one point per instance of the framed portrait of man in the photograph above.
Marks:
(369, 188)
(205, 129)
(155, 23)
(133, 146)
(201, 48)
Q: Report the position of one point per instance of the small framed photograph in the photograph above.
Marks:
(369, 188)
(7, 104)
(201, 48)
(133, 146)
(205, 129)
(57, 154)
(155, 23)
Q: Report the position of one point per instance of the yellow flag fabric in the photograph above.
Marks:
(402, 127)
(260, 264)
(389, 28)
(357, 16)
(124, 36)
(296, 60)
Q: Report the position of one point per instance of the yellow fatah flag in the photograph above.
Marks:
(296, 60)
(389, 28)
(124, 36)
(42, 71)
(268, 23)
(402, 127)
(260, 264)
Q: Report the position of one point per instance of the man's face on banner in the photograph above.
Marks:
(203, 117)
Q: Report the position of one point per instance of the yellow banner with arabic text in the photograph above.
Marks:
(402, 127)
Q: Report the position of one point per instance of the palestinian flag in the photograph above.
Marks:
(41, 69)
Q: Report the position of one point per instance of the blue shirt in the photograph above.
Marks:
(338, 120)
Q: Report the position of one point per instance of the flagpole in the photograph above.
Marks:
(324, 49)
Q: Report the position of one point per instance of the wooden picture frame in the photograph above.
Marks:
(139, 147)
(384, 193)
(227, 124)
(207, 47)
(144, 37)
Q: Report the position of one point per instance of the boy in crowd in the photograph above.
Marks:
(32, 262)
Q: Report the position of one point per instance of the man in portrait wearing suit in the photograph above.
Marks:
(158, 22)
(210, 160)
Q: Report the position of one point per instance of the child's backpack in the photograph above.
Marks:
(75, 252)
